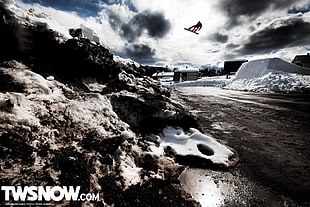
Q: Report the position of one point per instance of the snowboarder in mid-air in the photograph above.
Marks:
(195, 28)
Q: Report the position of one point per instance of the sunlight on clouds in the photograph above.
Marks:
(184, 13)
(179, 45)
(216, 42)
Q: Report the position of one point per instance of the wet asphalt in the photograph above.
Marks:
(270, 132)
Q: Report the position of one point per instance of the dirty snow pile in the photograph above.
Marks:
(271, 74)
(53, 134)
(48, 118)
(73, 114)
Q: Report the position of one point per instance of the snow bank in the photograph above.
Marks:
(93, 109)
(194, 143)
(50, 128)
(46, 106)
(271, 74)
(274, 80)
(259, 68)
(206, 81)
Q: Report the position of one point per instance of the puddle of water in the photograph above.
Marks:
(217, 188)
(206, 189)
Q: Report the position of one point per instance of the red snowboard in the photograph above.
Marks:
(191, 30)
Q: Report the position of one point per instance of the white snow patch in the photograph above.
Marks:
(205, 81)
(186, 143)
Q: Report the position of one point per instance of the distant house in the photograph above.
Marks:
(232, 66)
(302, 60)
(187, 74)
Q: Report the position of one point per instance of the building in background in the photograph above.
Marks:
(231, 66)
(186, 74)
(302, 60)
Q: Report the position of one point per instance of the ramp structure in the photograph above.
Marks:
(259, 68)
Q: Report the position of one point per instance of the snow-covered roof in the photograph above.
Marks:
(163, 74)
(187, 70)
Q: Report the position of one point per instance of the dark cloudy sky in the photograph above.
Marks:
(151, 32)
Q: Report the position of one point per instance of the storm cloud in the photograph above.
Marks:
(291, 32)
(141, 53)
(236, 9)
(83, 7)
(219, 37)
(154, 23)
(300, 9)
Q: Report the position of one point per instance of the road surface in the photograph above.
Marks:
(270, 132)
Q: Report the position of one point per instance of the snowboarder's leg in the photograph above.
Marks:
(191, 27)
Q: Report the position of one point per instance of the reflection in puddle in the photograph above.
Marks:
(207, 189)
(228, 188)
